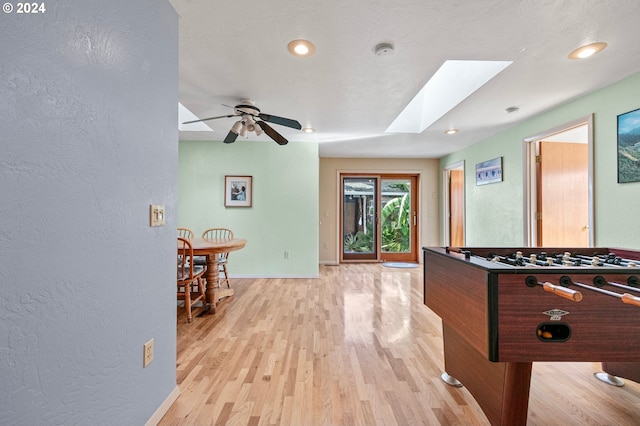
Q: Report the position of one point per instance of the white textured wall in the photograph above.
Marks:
(88, 107)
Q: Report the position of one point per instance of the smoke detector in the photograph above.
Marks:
(383, 49)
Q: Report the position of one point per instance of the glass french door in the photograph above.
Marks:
(359, 218)
(379, 218)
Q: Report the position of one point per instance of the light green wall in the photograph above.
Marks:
(284, 214)
(494, 213)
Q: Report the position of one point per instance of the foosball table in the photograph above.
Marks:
(504, 308)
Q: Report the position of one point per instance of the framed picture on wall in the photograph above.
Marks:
(489, 171)
(629, 147)
(238, 191)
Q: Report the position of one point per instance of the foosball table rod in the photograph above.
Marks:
(627, 298)
(565, 292)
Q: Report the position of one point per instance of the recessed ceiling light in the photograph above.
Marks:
(308, 130)
(587, 50)
(301, 47)
(451, 131)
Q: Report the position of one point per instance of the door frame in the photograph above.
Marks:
(414, 255)
(446, 197)
(529, 153)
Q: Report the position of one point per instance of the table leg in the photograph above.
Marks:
(212, 276)
(213, 294)
(627, 370)
(500, 388)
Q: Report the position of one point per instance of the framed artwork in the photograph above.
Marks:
(629, 147)
(489, 171)
(238, 191)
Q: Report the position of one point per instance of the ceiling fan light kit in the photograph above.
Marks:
(252, 120)
(237, 127)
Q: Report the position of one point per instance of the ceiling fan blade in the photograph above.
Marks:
(231, 137)
(280, 140)
(210, 118)
(280, 120)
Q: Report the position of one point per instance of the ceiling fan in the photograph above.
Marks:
(252, 120)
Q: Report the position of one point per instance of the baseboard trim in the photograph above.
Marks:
(164, 407)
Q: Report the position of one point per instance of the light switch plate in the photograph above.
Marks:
(156, 217)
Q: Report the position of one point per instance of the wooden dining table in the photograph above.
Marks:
(212, 248)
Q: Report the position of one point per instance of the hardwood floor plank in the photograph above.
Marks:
(356, 346)
(224, 414)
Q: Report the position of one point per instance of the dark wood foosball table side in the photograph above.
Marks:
(500, 388)
(625, 370)
(489, 319)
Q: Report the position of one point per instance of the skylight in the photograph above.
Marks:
(185, 115)
(454, 81)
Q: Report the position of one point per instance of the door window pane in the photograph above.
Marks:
(395, 215)
(358, 215)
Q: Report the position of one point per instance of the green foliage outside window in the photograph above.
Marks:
(396, 230)
(358, 242)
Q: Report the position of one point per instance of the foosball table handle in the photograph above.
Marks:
(567, 293)
(630, 300)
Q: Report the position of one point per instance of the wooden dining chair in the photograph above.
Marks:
(223, 258)
(189, 234)
(190, 278)
(185, 233)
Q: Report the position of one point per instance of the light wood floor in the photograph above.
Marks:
(354, 347)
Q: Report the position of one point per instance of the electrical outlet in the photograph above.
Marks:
(148, 353)
(286, 254)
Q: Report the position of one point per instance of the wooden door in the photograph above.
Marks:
(563, 195)
(456, 207)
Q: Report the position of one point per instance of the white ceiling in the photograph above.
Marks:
(231, 50)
